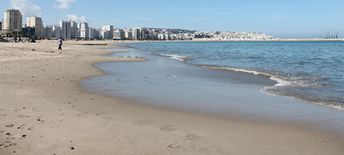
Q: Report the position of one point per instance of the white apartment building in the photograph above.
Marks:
(84, 31)
(136, 34)
(107, 32)
(128, 34)
(37, 24)
(12, 21)
(118, 34)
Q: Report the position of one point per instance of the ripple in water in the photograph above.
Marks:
(313, 71)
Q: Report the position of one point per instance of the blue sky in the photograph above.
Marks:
(282, 18)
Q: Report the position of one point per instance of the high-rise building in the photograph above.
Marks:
(136, 34)
(84, 31)
(57, 32)
(66, 30)
(118, 34)
(37, 24)
(74, 30)
(128, 34)
(94, 33)
(161, 36)
(107, 32)
(151, 35)
(144, 34)
(48, 32)
(12, 21)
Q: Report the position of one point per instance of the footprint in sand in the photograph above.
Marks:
(9, 125)
(323, 140)
(23, 136)
(174, 146)
(21, 127)
(30, 128)
(168, 128)
(192, 137)
(23, 116)
(40, 120)
(7, 144)
(2, 115)
(141, 123)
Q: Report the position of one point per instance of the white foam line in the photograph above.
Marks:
(175, 57)
(280, 83)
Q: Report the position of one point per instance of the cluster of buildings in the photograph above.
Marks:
(12, 25)
(232, 36)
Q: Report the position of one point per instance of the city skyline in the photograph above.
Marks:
(277, 18)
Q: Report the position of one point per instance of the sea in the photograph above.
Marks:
(310, 71)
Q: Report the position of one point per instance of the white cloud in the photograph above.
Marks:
(27, 7)
(77, 18)
(64, 4)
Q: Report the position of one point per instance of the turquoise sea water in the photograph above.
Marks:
(312, 71)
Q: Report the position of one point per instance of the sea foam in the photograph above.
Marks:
(175, 57)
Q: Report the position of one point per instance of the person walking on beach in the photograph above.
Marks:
(59, 43)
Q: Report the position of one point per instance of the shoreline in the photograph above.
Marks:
(57, 117)
(277, 80)
(214, 40)
(244, 115)
(331, 105)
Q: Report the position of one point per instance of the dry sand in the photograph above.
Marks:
(43, 111)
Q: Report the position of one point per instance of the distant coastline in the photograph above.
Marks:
(306, 39)
(274, 39)
(214, 40)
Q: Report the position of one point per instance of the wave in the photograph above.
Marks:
(298, 86)
(175, 57)
(285, 83)
(280, 81)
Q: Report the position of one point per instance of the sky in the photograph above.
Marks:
(281, 18)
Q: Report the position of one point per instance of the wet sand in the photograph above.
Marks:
(165, 83)
(43, 110)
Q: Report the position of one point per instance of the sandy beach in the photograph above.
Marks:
(44, 110)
